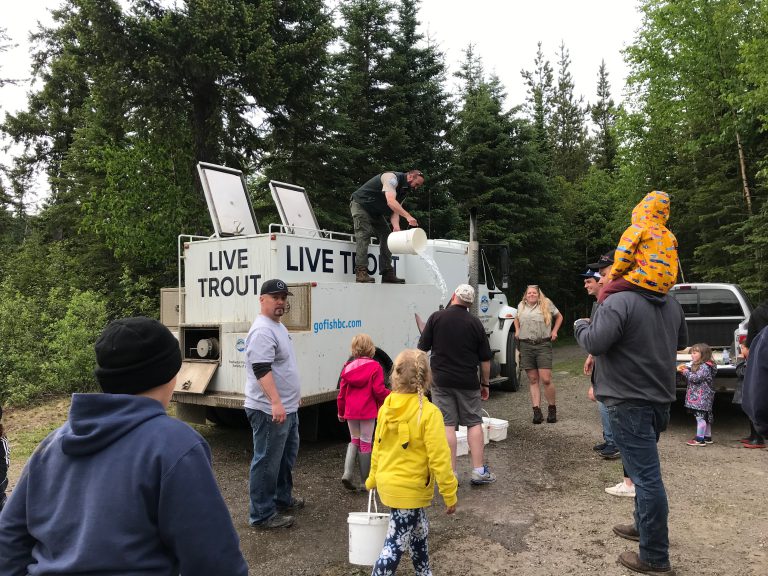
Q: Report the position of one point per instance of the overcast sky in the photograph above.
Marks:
(505, 34)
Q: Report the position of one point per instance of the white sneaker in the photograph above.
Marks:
(621, 489)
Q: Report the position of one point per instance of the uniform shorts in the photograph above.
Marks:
(460, 407)
(535, 356)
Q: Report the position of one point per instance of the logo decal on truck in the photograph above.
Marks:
(484, 304)
(336, 324)
(240, 345)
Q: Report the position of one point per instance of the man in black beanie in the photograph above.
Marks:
(121, 487)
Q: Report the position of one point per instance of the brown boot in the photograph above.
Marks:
(538, 417)
(361, 275)
(389, 278)
(551, 413)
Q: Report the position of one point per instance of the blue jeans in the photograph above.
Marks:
(636, 430)
(606, 421)
(275, 447)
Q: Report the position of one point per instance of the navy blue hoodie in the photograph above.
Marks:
(119, 489)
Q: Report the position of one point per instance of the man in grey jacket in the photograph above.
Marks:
(636, 335)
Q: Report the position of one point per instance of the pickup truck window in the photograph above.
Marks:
(711, 303)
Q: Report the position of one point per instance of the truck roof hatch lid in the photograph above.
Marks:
(194, 377)
(293, 205)
(228, 202)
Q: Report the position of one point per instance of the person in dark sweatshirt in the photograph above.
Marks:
(635, 336)
(121, 488)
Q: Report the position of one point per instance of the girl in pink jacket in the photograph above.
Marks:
(361, 393)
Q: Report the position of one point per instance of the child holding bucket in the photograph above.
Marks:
(410, 453)
(361, 393)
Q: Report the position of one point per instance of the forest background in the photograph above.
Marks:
(129, 100)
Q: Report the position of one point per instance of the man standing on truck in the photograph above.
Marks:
(635, 336)
(374, 206)
(458, 343)
(272, 394)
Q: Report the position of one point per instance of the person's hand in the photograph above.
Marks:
(591, 394)
(553, 336)
(485, 392)
(278, 412)
(450, 509)
(341, 419)
(589, 363)
(412, 222)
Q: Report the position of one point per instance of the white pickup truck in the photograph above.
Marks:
(716, 314)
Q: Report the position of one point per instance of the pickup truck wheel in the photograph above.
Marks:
(511, 371)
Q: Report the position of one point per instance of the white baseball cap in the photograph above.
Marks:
(465, 292)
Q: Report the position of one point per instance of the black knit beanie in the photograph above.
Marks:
(136, 354)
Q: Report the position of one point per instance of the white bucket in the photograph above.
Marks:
(412, 241)
(367, 532)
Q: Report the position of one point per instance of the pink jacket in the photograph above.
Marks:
(362, 390)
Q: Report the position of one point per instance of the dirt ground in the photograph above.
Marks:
(546, 515)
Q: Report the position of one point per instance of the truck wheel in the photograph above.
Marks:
(227, 417)
(510, 369)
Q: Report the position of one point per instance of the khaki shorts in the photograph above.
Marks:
(535, 356)
(459, 407)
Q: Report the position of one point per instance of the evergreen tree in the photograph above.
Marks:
(496, 169)
(567, 130)
(539, 102)
(604, 117)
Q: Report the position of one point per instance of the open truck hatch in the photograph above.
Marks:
(194, 377)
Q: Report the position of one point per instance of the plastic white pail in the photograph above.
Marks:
(367, 531)
(411, 241)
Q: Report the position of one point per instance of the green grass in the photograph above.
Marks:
(25, 442)
(574, 366)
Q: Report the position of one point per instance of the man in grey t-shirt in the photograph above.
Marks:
(272, 394)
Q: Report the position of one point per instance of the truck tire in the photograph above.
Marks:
(510, 370)
(227, 417)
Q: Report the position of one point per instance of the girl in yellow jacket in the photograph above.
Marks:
(410, 453)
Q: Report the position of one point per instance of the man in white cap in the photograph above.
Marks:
(456, 390)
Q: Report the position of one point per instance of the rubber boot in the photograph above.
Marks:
(361, 275)
(348, 478)
(364, 458)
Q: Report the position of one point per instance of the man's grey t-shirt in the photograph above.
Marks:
(269, 341)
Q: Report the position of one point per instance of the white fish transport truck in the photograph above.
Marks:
(220, 276)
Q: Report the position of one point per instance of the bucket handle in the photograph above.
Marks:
(486, 413)
(372, 499)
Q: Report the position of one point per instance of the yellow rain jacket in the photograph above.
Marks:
(647, 252)
(410, 452)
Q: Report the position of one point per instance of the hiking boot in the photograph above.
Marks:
(621, 489)
(696, 442)
(361, 275)
(632, 561)
(610, 452)
(551, 413)
(296, 504)
(277, 520)
(627, 531)
(538, 417)
(389, 278)
(600, 447)
(485, 478)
